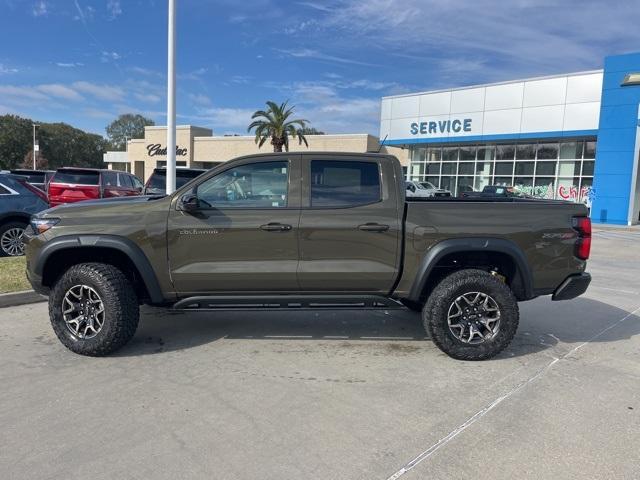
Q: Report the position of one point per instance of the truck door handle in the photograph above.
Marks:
(373, 227)
(275, 227)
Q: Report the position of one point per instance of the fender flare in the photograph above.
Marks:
(15, 214)
(473, 244)
(114, 242)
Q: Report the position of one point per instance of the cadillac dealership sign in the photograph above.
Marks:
(441, 126)
(155, 149)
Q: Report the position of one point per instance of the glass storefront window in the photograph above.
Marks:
(434, 180)
(524, 168)
(486, 153)
(569, 168)
(466, 168)
(571, 150)
(524, 185)
(433, 154)
(505, 152)
(543, 169)
(526, 151)
(544, 187)
(547, 151)
(449, 168)
(467, 153)
(417, 169)
(546, 168)
(590, 150)
(465, 184)
(433, 168)
(481, 182)
(584, 195)
(449, 153)
(448, 183)
(504, 181)
(418, 154)
(588, 167)
(504, 168)
(568, 188)
(484, 168)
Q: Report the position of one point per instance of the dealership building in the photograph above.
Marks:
(197, 147)
(573, 137)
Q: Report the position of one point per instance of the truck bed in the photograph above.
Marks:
(544, 236)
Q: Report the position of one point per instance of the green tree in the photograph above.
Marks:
(60, 144)
(16, 140)
(126, 127)
(275, 123)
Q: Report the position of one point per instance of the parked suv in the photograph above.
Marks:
(37, 178)
(18, 201)
(157, 183)
(70, 185)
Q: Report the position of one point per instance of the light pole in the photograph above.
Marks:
(35, 146)
(171, 100)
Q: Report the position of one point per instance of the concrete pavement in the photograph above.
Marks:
(333, 394)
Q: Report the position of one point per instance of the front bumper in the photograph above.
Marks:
(573, 286)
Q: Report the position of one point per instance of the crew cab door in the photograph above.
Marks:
(350, 224)
(244, 235)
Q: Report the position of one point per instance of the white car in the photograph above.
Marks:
(425, 190)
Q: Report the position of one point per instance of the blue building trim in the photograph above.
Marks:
(616, 150)
(559, 134)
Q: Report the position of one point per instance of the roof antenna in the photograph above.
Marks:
(382, 143)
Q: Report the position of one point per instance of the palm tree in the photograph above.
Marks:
(275, 123)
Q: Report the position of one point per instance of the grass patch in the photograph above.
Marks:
(12, 275)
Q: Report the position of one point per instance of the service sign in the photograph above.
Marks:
(440, 128)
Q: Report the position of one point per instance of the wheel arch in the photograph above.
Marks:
(14, 217)
(488, 250)
(59, 254)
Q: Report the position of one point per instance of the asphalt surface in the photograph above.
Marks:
(333, 394)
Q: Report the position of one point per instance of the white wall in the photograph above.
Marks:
(560, 103)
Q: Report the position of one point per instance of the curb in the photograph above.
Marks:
(20, 298)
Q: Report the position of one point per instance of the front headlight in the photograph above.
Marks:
(41, 225)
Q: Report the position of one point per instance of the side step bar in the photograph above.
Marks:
(293, 302)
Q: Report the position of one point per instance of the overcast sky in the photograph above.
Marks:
(85, 61)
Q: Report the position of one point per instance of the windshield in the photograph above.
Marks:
(428, 185)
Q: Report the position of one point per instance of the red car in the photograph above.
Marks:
(71, 184)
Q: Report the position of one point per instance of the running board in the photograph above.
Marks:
(292, 302)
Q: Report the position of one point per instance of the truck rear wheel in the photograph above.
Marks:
(471, 315)
(93, 309)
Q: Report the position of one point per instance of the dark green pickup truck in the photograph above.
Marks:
(306, 230)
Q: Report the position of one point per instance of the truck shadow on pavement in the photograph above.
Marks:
(543, 324)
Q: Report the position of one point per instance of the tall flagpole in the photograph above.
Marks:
(171, 100)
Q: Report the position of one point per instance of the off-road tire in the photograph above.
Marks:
(121, 311)
(435, 314)
(5, 228)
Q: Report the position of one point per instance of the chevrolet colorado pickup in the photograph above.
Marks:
(306, 230)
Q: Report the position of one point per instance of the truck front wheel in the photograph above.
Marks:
(471, 315)
(93, 309)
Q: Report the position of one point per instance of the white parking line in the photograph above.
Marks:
(481, 413)
(615, 289)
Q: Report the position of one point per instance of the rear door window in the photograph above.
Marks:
(109, 179)
(124, 180)
(344, 183)
(77, 177)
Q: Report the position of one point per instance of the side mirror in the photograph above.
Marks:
(189, 203)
